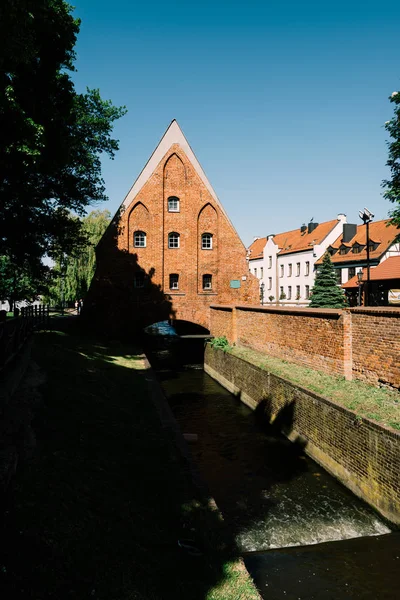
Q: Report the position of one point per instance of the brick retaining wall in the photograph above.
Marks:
(360, 342)
(376, 345)
(363, 455)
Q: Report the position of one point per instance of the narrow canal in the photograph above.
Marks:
(271, 494)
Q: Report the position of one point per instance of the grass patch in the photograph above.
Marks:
(99, 509)
(378, 404)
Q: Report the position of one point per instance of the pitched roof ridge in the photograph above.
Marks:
(172, 135)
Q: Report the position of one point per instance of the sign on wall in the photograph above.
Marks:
(235, 283)
(394, 297)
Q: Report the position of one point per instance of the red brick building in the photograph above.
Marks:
(171, 250)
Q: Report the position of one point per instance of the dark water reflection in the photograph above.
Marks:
(272, 495)
(285, 514)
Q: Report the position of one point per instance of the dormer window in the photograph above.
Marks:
(343, 250)
(173, 204)
(373, 246)
(332, 250)
(357, 248)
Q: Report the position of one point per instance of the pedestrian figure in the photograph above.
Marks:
(76, 307)
(79, 306)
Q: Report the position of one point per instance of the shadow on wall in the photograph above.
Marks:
(122, 299)
(279, 423)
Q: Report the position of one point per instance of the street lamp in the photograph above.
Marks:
(366, 216)
(262, 293)
(359, 277)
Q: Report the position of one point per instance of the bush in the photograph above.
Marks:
(221, 343)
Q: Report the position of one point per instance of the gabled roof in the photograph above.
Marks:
(173, 135)
(257, 247)
(295, 240)
(380, 232)
(388, 269)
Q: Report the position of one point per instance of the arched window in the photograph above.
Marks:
(206, 241)
(139, 239)
(173, 204)
(173, 240)
(207, 282)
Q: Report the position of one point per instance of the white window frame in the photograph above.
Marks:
(289, 292)
(269, 262)
(139, 239)
(269, 283)
(207, 281)
(174, 240)
(307, 268)
(174, 281)
(282, 271)
(207, 241)
(298, 269)
(173, 204)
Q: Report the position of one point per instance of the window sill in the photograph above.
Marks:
(176, 294)
(207, 293)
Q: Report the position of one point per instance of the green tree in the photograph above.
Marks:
(326, 293)
(73, 274)
(392, 186)
(52, 137)
(19, 283)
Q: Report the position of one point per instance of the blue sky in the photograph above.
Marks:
(283, 103)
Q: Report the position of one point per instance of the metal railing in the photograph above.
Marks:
(15, 332)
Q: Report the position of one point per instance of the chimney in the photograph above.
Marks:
(303, 228)
(312, 226)
(349, 231)
(256, 237)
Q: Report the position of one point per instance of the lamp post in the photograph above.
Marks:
(262, 286)
(366, 216)
(359, 277)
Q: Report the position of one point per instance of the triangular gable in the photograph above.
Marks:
(173, 135)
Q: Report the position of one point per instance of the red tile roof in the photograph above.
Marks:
(257, 247)
(382, 233)
(388, 269)
(294, 241)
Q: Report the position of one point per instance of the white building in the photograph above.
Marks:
(284, 263)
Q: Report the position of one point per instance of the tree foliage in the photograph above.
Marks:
(19, 282)
(73, 274)
(392, 186)
(52, 136)
(326, 293)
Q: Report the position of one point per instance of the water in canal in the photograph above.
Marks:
(271, 495)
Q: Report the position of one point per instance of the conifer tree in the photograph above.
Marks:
(326, 293)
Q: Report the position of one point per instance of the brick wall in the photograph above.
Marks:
(376, 345)
(362, 342)
(311, 338)
(361, 454)
(113, 295)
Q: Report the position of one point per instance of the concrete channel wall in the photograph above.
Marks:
(363, 455)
